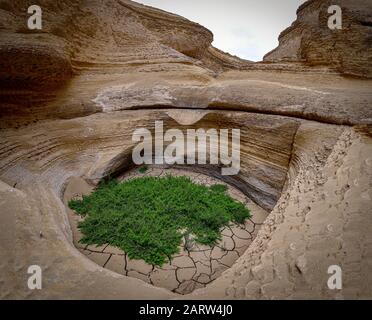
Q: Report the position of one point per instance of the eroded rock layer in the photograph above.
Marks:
(309, 38)
(73, 93)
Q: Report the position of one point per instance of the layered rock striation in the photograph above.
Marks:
(310, 40)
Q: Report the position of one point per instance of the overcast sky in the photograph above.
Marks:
(246, 28)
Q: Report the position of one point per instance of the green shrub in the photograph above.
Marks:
(143, 169)
(147, 217)
(222, 188)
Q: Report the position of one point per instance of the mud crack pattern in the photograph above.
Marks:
(196, 265)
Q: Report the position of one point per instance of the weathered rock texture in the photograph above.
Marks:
(310, 40)
(322, 219)
(73, 93)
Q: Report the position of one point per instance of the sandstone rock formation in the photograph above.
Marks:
(73, 93)
(310, 40)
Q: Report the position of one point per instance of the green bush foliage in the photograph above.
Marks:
(147, 217)
(143, 169)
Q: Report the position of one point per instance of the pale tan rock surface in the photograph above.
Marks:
(72, 95)
(310, 40)
(322, 219)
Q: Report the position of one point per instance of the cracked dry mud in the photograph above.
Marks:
(196, 265)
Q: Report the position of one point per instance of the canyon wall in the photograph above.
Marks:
(311, 41)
